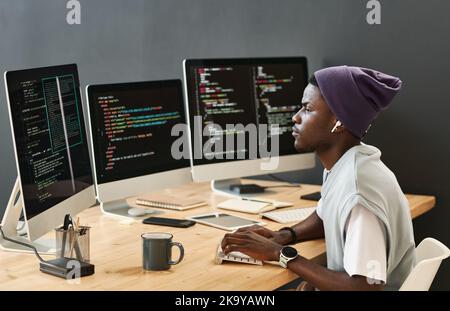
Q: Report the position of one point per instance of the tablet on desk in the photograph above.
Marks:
(225, 221)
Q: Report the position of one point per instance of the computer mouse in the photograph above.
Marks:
(137, 211)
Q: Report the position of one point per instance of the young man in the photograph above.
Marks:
(363, 213)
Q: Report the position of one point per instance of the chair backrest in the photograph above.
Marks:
(429, 255)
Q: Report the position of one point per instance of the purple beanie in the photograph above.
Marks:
(356, 95)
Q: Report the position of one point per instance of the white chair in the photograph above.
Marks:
(429, 255)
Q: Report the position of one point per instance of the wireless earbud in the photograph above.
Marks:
(338, 123)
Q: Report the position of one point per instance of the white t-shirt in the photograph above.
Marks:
(365, 244)
(360, 178)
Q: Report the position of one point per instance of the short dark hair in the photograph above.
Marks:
(313, 81)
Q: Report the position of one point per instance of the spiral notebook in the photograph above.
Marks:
(170, 202)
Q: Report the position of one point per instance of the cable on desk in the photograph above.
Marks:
(23, 244)
(22, 226)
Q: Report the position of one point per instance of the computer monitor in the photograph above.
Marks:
(52, 157)
(131, 125)
(264, 92)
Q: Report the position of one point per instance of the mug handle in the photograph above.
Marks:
(171, 262)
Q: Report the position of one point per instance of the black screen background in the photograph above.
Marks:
(28, 115)
(164, 94)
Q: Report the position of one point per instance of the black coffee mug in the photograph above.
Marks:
(157, 251)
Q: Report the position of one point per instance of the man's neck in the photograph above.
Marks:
(331, 155)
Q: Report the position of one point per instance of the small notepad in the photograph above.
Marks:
(170, 202)
(245, 206)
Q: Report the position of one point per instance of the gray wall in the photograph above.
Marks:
(130, 40)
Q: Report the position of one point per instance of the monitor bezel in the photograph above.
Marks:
(52, 217)
(248, 60)
(250, 167)
(136, 185)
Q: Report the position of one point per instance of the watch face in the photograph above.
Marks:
(289, 252)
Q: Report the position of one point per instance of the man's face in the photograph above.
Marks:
(313, 122)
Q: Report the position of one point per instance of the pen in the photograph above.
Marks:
(67, 222)
(257, 200)
(77, 250)
(77, 234)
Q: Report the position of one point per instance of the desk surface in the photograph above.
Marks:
(116, 251)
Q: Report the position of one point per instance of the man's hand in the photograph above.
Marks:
(252, 244)
(280, 237)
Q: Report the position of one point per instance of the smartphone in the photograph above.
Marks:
(170, 222)
(315, 196)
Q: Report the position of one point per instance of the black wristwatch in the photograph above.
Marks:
(293, 234)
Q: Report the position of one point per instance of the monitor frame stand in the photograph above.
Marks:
(222, 187)
(15, 229)
(119, 208)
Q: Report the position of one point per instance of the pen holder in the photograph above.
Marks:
(72, 243)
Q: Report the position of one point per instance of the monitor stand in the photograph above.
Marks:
(120, 208)
(222, 187)
(15, 229)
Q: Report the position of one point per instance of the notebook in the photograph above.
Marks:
(235, 257)
(246, 206)
(291, 215)
(252, 205)
(169, 201)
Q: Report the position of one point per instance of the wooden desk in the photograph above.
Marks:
(116, 251)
